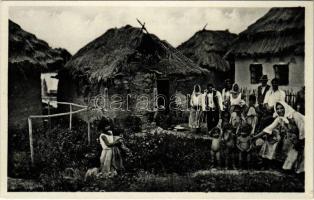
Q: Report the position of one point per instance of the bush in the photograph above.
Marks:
(167, 153)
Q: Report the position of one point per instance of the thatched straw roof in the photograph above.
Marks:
(279, 31)
(125, 51)
(25, 49)
(207, 47)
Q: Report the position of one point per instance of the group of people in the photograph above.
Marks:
(265, 127)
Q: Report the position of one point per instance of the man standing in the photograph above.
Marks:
(262, 90)
(212, 106)
(272, 96)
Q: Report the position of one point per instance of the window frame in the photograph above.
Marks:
(258, 72)
(282, 72)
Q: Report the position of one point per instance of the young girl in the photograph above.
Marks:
(250, 113)
(110, 159)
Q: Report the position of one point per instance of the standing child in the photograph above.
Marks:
(215, 137)
(225, 118)
(110, 159)
(244, 145)
(250, 113)
(228, 140)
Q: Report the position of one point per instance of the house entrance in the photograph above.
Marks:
(163, 93)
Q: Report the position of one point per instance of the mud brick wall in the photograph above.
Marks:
(24, 98)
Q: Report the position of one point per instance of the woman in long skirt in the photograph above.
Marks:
(195, 118)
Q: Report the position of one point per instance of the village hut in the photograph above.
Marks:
(28, 58)
(207, 48)
(130, 63)
(273, 45)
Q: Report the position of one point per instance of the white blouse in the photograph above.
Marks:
(235, 101)
(102, 142)
(196, 100)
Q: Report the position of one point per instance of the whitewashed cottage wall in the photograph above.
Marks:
(296, 71)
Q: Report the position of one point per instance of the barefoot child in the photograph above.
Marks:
(215, 137)
(244, 145)
(228, 140)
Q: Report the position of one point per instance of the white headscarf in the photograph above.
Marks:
(290, 113)
(196, 96)
(199, 87)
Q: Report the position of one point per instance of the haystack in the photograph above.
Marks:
(127, 60)
(206, 48)
(28, 57)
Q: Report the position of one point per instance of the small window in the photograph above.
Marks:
(282, 73)
(256, 70)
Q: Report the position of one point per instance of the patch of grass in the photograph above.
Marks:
(213, 181)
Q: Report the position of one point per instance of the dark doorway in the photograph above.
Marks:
(163, 93)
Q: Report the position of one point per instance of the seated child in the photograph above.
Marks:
(215, 137)
(244, 145)
(228, 140)
(269, 148)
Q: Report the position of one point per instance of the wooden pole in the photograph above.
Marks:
(30, 134)
(58, 114)
(70, 117)
(49, 119)
(88, 133)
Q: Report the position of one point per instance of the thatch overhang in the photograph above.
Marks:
(25, 49)
(206, 48)
(126, 51)
(278, 32)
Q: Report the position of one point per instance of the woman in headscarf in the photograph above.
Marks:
(235, 98)
(226, 94)
(290, 121)
(195, 118)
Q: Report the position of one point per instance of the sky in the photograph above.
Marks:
(74, 27)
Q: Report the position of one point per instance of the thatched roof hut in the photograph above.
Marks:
(279, 31)
(206, 48)
(273, 45)
(28, 57)
(125, 51)
(129, 60)
(25, 47)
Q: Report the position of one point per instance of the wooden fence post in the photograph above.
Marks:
(49, 119)
(30, 134)
(88, 133)
(70, 126)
